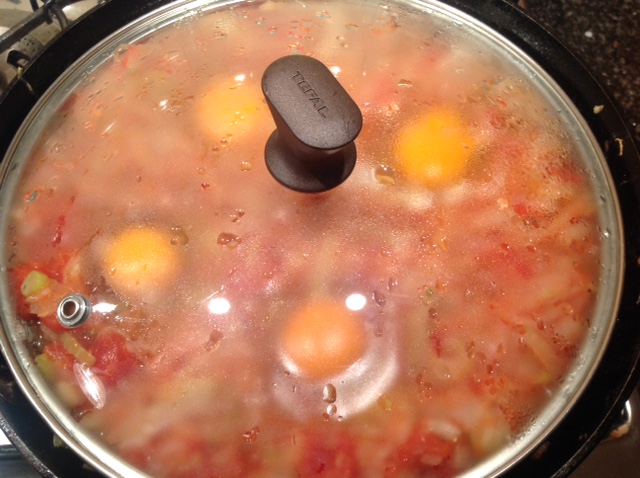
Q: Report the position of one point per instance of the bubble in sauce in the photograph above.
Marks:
(226, 139)
(237, 215)
(179, 236)
(215, 338)
(392, 284)
(385, 175)
(329, 393)
(57, 148)
(251, 435)
(229, 240)
(379, 298)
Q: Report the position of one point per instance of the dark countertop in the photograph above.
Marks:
(605, 36)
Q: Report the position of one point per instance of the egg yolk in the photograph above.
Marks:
(436, 148)
(323, 339)
(139, 260)
(226, 109)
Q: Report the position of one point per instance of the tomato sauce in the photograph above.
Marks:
(411, 322)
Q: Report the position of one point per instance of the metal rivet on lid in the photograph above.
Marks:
(73, 310)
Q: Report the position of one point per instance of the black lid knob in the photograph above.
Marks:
(312, 150)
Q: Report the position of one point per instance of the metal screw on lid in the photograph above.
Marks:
(73, 310)
(312, 150)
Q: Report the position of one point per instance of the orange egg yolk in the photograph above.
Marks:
(139, 260)
(226, 109)
(323, 339)
(436, 148)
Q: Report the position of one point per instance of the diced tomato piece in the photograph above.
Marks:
(508, 260)
(329, 458)
(528, 211)
(565, 171)
(497, 118)
(521, 209)
(57, 265)
(186, 454)
(423, 451)
(113, 358)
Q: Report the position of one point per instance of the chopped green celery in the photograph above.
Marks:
(45, 366)
(34, 283)
(72, 346)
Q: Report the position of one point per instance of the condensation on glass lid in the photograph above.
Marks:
(413, 321)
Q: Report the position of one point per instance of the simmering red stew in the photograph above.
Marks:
(411, 322)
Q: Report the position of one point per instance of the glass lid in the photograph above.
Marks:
(174, 310)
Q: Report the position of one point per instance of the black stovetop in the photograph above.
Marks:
(605, 36)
